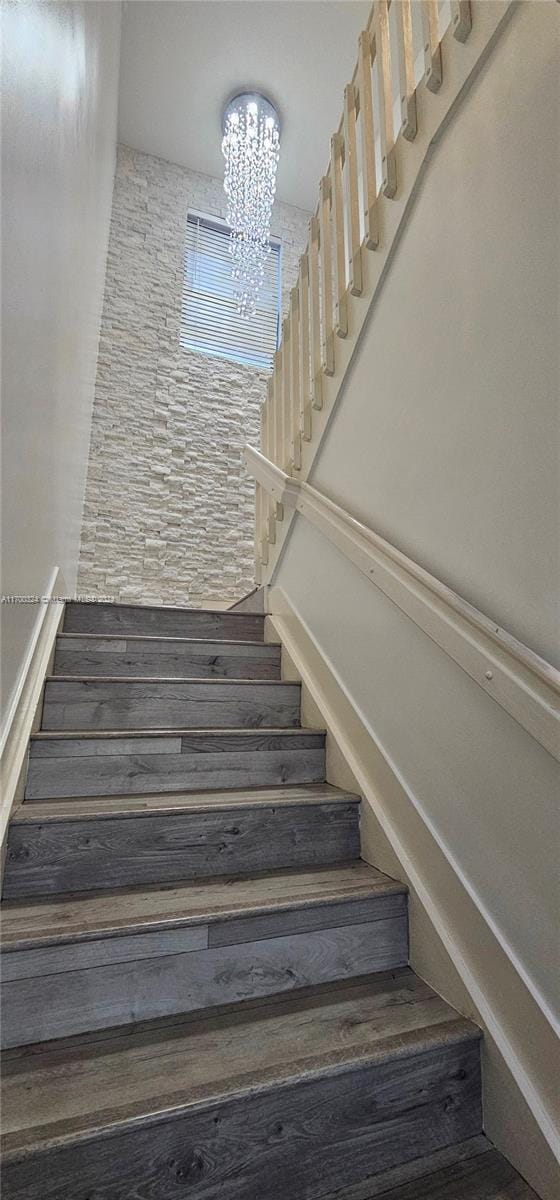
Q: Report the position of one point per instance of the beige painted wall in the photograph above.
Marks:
(451, 943)
(59, 75)
(485, 787)
(444, 441)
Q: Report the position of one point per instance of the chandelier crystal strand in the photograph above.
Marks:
(251, 147)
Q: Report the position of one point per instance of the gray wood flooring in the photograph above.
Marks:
(333, 1072)
(170, 761)
(54, 808)
(489, 1176)
(150, 656)
(204, 990)
(104, 852)
(237, 1048)
(74, 994)
(31, 924)
(93, 704)
(163, 622)
(228, 940)
(469, 1170)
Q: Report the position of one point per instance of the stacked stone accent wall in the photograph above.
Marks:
(168, 512)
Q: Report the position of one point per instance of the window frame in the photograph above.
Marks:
(218, 224)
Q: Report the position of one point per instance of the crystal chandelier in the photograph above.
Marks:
(251, 146)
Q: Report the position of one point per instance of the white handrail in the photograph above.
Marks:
(359, 218)
(520, 681)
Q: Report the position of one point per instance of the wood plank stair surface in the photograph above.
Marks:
(113, 654)
(122, 958)
(112, 849)
(114, 762)
(219, 1096)
(104, 703)
(489, 1176)
(469, 1170)
(163, 621)
(205, 991)
(28, 924)
(56, 809)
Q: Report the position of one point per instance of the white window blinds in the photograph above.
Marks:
(210, 322)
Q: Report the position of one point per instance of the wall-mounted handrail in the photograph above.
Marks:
(520, 681)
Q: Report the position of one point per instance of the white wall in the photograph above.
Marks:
(60, 75)
(444, 441)
(488, 790)
(169, 511)
(449, 450)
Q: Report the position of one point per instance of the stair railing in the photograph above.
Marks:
(399, 49)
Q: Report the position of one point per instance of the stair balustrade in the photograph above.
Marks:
(399, 52)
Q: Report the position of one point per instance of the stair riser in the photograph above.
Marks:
(299, 1141)
(72, 856)
(130, 766)
(127, 704)
(178, 971)
(161, 622)
(77, 656)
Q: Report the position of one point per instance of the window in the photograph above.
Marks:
(210, 322)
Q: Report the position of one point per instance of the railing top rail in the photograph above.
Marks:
(411, 74)
(521, 681)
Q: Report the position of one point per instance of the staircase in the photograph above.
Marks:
(205, 990)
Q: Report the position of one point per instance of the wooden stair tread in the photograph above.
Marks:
(81, 916)
(68, 763)
(44, 735)
(168, 702)
(175, 680)
(92, 605)
(469, 1170)
(53, 1093)
(71, 809)
(99, 703)
(185, 993)
(139, 656)
(162, 619)
(487, 1177)
(155, 638)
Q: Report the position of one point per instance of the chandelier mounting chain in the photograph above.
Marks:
(251, 147)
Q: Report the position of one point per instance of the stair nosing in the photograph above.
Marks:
(91, 604)
(159, 1110)
(178, 679)
(371, 890)
(121, 815)
(285, 796)
(152, 637)
(238, 731)
(176, 732)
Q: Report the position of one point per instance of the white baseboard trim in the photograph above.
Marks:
(20, 717)
(504, 1001)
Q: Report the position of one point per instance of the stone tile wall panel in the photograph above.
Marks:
(168, 511)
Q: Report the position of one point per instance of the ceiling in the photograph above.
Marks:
(181, 60)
